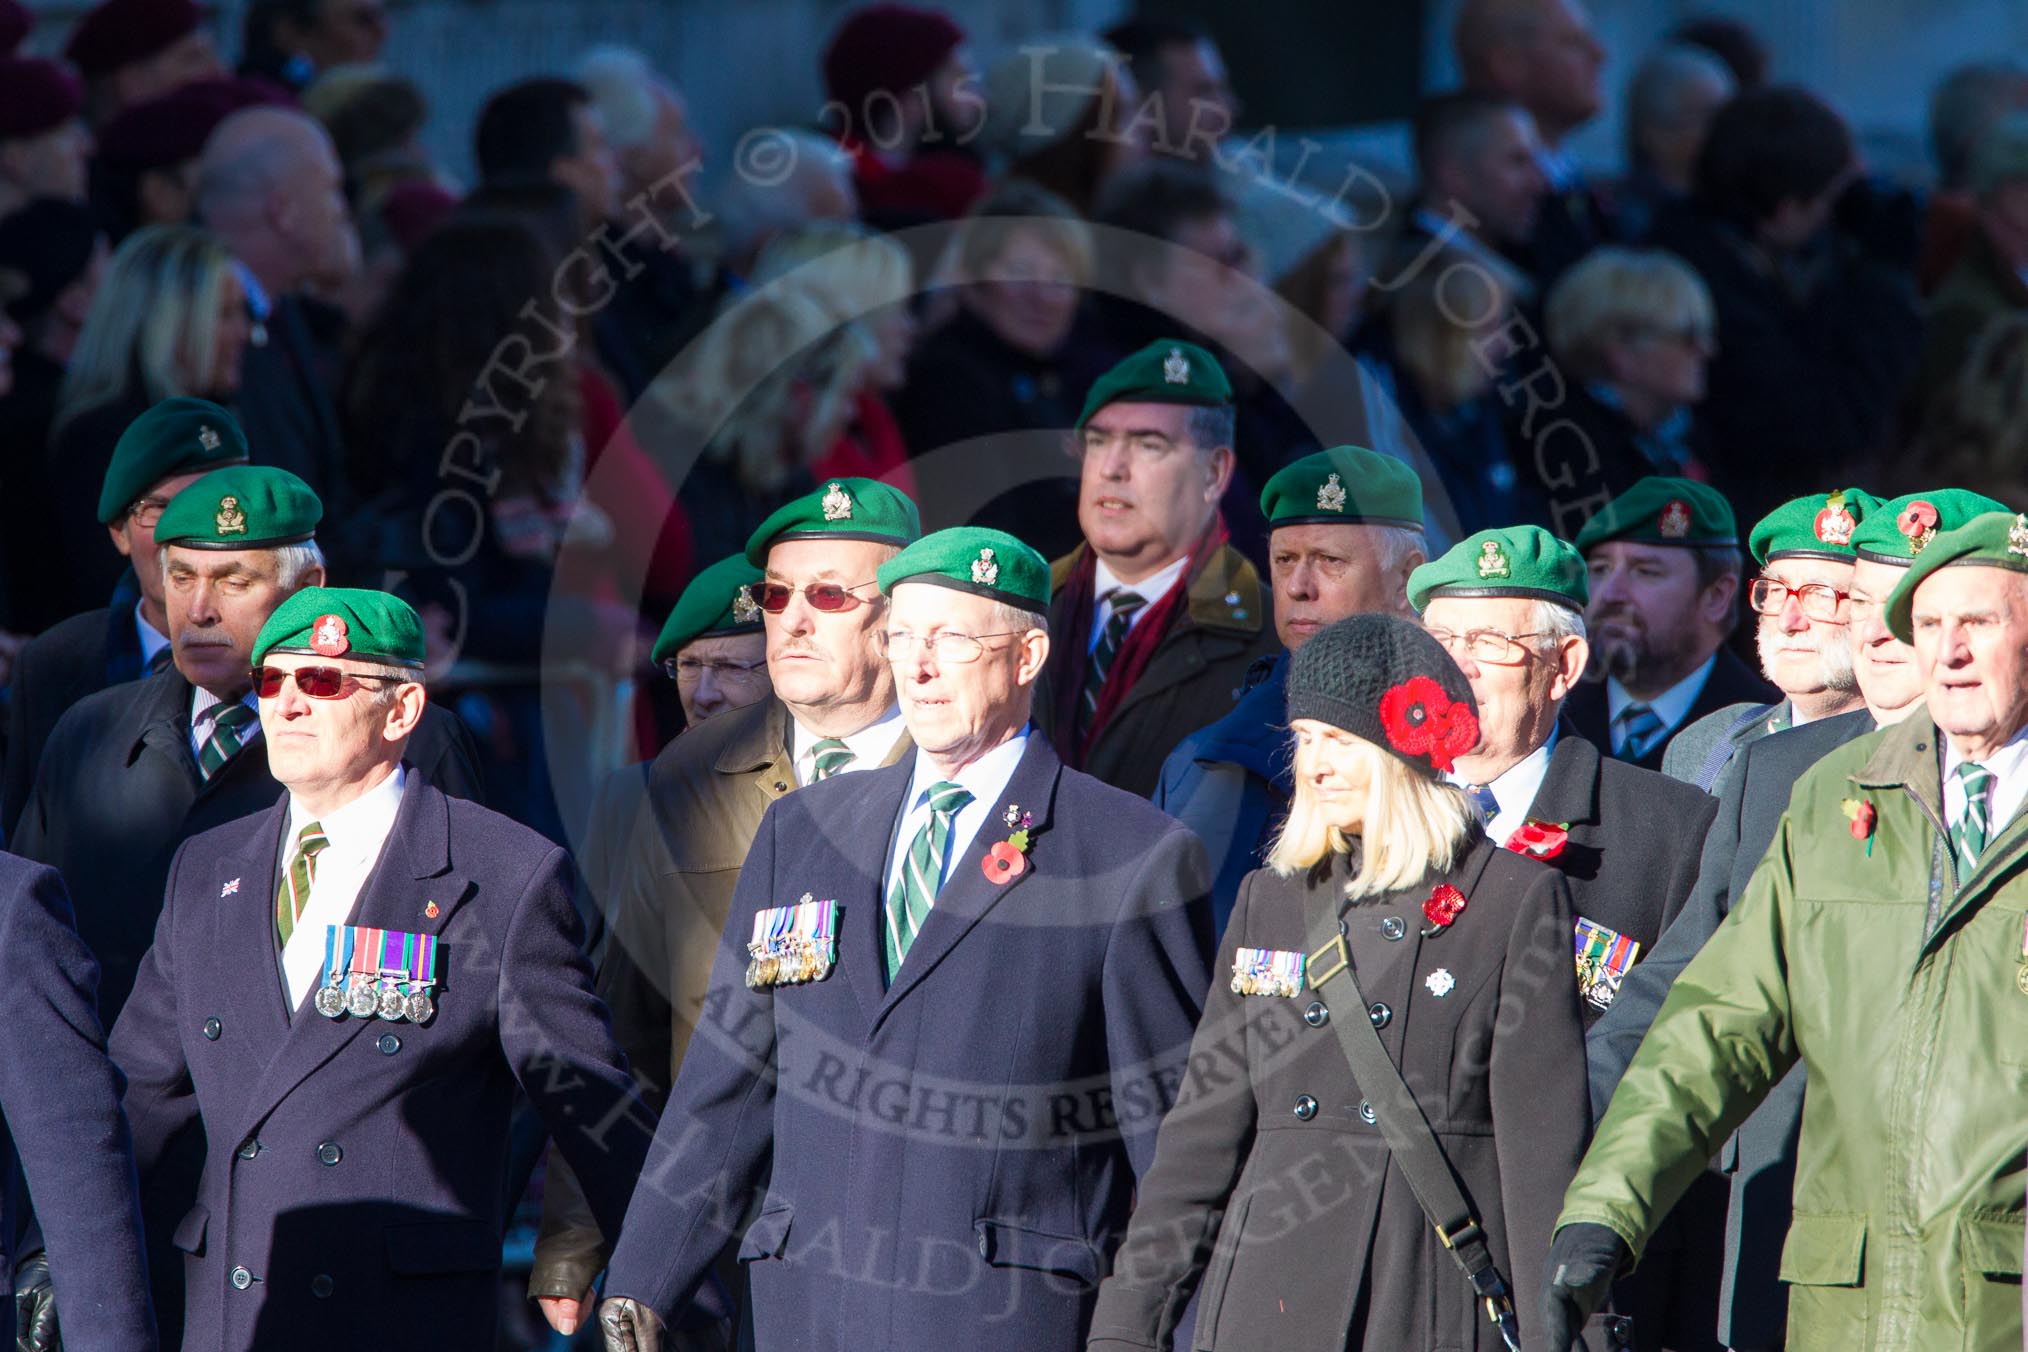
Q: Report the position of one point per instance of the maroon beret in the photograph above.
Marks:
(121, 32)
(15, 21)
(887, 46)
(36, 95)
(172, 128)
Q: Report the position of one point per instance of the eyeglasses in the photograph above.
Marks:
(1488, 645)
(943, 646)
(145, 512)
(316, 682)
(690, 670)
(828, 597)
(1819, 600)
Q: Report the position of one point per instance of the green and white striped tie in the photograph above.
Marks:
(1975, 823)
(829, 755)
(1110, 640)
(915, 891)
(294, 893)
(225, 740)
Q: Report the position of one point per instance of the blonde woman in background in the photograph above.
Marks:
(170, 318)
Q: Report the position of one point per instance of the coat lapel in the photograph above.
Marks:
(1569, 789)
(244, 934)
(860, 948)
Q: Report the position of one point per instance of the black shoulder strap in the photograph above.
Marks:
(1407, 1130)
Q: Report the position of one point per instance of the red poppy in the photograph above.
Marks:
(1916, 519)
(1539, 840)
(1445, 905)
(1004, 863)
(1421, 720)
(1863, 818)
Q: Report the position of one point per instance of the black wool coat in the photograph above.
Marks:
(1731, 682)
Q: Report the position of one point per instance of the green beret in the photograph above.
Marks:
(244, 507)
(989, 563)
(1897, 530)
(177, 436)
(1993, 540)
(718, 603)
(1512, 561)
(1817, 526)
(843, 509)
(1346, 485)
(1663, 511)
(1167, 372)
(371, 626)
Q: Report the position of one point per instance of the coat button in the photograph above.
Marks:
(984, 1246)
(1392, 927)
(1366, 1113)
(1316, 1015)
(249, 1148)
(321, 1286)
(1306, 1108)
(212, 1028)
(329, 1153)
(1380, 1014)
(389, 1044)
(241, 1279)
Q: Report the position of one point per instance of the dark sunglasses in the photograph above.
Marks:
(316, 682)
(824, 596)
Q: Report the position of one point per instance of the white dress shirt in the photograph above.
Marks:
(1514, 789)
(2003, 797)
(153, 640)
(1672, 706)
(204, 709)
(987, 779)
(356, 832)
(869, 746)
(1150, 589)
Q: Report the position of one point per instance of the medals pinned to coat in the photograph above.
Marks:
(377, 972)
(1604, 957)
(1440, 982)
(1267, 971)
(792, 945)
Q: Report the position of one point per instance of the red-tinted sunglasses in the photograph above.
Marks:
(316, 682)
(824, 596)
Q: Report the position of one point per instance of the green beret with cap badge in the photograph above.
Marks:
(1346, 485)
(842, 509)
(1524, 561)
(371, 626)
(1899, 529)
(1168, 371)
(1814, 526)
(1659, 510)
(242, 507)
(719, 603)
(176, 436)
(988, 563)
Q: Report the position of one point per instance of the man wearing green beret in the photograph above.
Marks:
(832, 712)
(1344, 533)
(1155, 618)
(1801, 601)
(714, 645)
(1664, 566)
(351, 988)
(980, 876)
(1879, 942)
(1753, 793)
(160, 454)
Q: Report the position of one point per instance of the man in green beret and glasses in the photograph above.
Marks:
(980, 876)
(1664, 564)
(1801, 601)
(1155, 618)
(161, 453)
(1344, 533)
(677, 854)
(714, 645)
(1880, 944)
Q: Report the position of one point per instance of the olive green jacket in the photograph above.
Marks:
(1906, 996)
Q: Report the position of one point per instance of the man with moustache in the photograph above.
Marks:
(1664, 567)
(874, 924)
(1344, 533)
(1760, 1158)
(832, 713)
(1804, 548)
(1879, 943)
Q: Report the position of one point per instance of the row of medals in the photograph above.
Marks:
(363, 998)
(792, 965)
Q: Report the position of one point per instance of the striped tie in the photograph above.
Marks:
(1124, 603)
(1482, 798)
(829, 755)
(1975, 823)
(916, 889)
(1638, 726)
(294, 893)
(225, 740)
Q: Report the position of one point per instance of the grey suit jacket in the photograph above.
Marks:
(1692, 755)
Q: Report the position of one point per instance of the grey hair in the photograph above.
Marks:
(1656, 93)
(622, 86)
(292, 562)
(755, 206)
(1556, 622)
(1009, 618)
(1213, 425)
(1394, 544)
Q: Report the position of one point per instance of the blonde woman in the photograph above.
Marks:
(1274, 1197)
(170, 318)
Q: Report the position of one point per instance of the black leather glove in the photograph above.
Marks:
(630, 1326)
(1583, 1260)
(35, 1307)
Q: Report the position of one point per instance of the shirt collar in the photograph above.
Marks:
(1150, 589)
(985, 777)
(258, 303)
(153, 640)
(1672, 706)
(357, 829)
(2006, 763)
(202, 702)
(869, 746)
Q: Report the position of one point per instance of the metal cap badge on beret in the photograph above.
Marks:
(1169, 371)
(1524, 561)
(1994, 540)
(1385, 680)
(719, 602)
(843, 509)
(1664, 511)
(36, 96)
(244, 507)
(177, 436)
(121, 32)
(1898, 530)
(1346, 485)
(1814, 526)
(989, 563)
(372, 626)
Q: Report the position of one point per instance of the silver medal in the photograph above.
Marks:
(362, 1000)
(331, 1001)
(419, 1007)
(390, 1002)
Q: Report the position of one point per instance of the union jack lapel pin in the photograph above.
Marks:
(229, 888)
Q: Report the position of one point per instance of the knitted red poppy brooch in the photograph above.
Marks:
(1540, 840)
(1421, 720)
